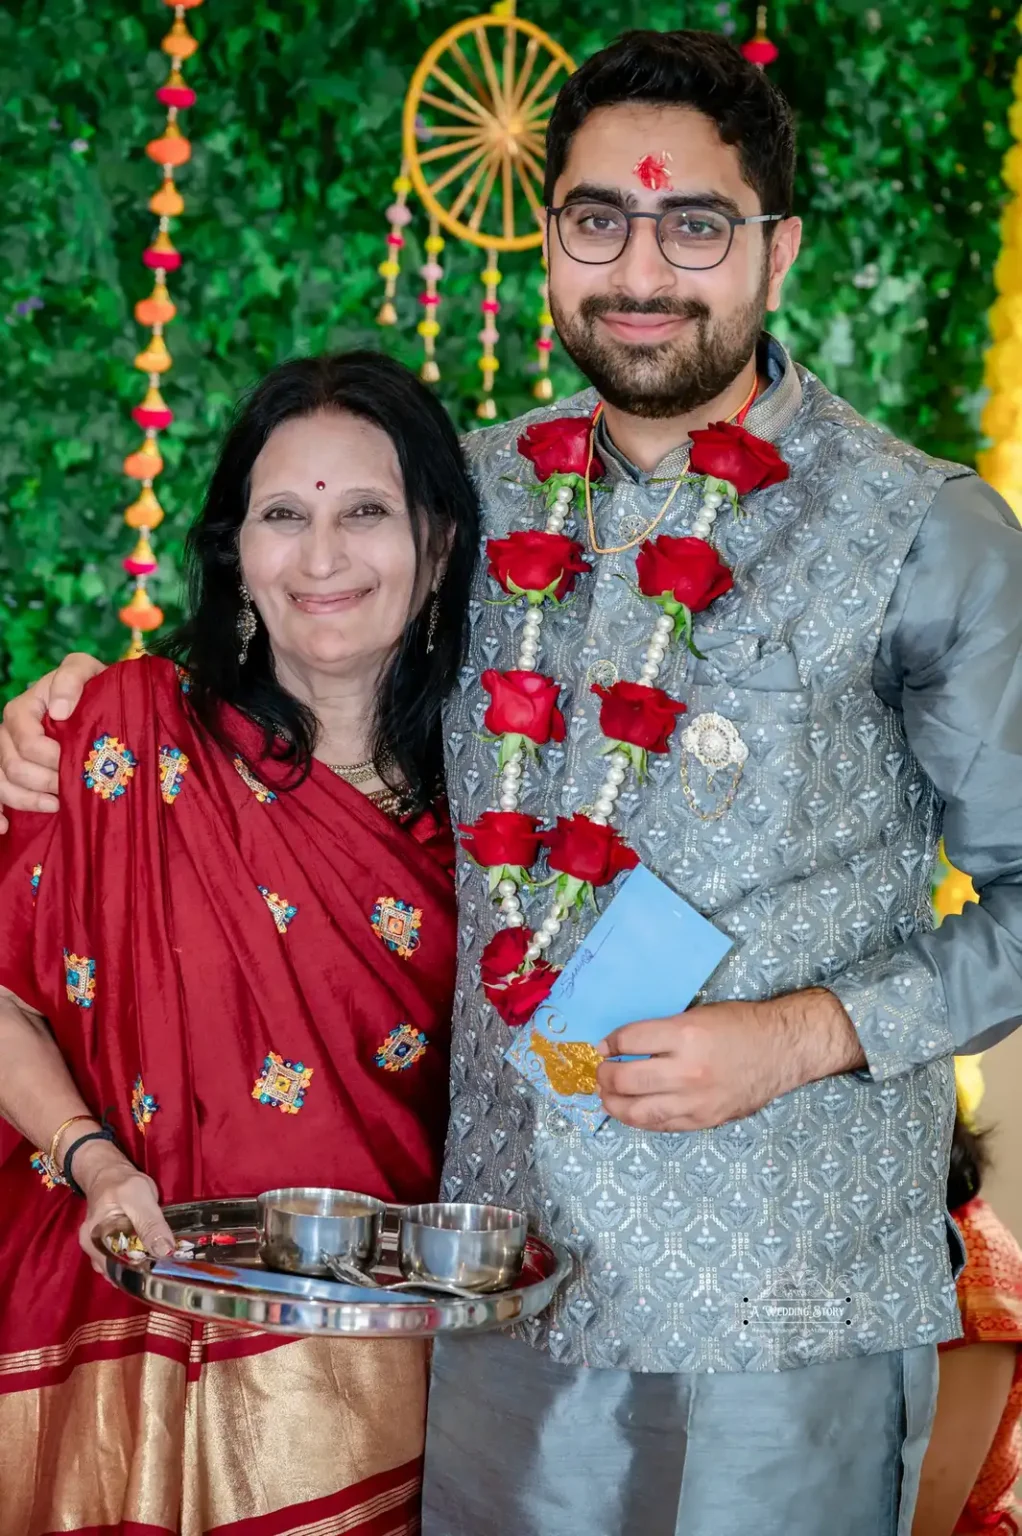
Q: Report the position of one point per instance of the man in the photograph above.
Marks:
(762, 1260)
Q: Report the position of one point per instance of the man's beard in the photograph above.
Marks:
(666, 378)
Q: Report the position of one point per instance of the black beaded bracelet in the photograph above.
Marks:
(106, 1134)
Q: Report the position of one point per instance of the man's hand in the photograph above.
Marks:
(724, 1061)
(29, 759)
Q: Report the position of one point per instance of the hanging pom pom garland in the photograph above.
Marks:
(1001, 463)
(759, 49)
(543, 389)
(489, 336)
(429, 327)
(398, 215)
(170, 150)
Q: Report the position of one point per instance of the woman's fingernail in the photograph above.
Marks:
(161, 1248)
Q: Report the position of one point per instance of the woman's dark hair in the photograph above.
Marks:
(685, 69)
(444, 514)
(970, 1159)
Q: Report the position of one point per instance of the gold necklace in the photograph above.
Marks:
(361, 773)
(620, 549)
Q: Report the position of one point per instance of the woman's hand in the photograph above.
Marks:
(29, 759)
(115, 1189)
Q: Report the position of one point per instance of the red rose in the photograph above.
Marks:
(535, 561)
(643, 717)
(523, 704)
(730, 453)
(518, 1001)
(688, 570)
(588, 851)
(503, 837)
(504, 955)
(561, 447)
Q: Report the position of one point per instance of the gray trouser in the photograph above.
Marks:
(518, 1445)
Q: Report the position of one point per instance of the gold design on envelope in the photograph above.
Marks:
(570, 1065)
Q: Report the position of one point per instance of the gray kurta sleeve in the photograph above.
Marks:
(950, 659)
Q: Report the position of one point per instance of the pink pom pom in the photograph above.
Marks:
(490, 335)
(490, 307)
(397, 241)
(432, 272)
(429, 299)
(397, 213)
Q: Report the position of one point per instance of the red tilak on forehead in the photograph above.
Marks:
(653, 173)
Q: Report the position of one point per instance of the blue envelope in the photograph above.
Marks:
(647, 956)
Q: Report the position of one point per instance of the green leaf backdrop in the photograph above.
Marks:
(903, 122)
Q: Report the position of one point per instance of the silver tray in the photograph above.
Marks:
(225, 1280)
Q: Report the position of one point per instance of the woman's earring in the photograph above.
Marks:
(246, 625)
(434, 616)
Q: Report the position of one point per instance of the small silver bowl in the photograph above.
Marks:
(479, 1247)
(298, 1226)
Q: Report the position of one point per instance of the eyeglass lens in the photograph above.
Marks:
(689, 237)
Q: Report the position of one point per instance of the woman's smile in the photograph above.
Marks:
(328, 602)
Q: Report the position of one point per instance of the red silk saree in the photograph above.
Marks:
(254, 984)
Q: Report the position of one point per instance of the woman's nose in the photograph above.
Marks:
(323, 550)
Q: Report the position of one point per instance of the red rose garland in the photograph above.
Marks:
(683, 577)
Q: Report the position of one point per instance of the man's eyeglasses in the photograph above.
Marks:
(693, 238)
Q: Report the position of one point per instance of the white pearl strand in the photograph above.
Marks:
(617, 762)
(513, 770)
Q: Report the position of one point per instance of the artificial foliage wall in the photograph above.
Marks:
(296, 134)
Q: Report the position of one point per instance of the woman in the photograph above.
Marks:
(232, 953)
(974, 1458)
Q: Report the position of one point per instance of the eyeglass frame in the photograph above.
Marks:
(734, 220)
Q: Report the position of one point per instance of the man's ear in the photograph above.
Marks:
(784, 249)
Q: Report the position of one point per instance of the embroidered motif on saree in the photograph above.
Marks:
(109, 768)
(397, 923)
(403, 1047)
(80, 979)
(47, 1170)
(263, 795)
(281, 911)
(173, 767)
(37, 875)
(184, 678)
(282, 1084)
(143, 1105)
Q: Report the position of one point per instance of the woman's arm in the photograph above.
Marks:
(974, 1384)
(37, 1094)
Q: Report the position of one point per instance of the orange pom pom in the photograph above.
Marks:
(179, 42)
(146, 512)
(141, 613)
(171, 148)
(154, 311)
(155, 358)
(186, 5)
(167, 202)
(146, 464)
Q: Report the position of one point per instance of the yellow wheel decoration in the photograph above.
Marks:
(474, 123)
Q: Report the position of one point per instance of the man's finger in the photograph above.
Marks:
(70, 678)
(16, 799)
(631, 1079)
(653, 1112)
(647, 1037)
(29, 777)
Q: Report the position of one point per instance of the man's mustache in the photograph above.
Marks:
(598, 304)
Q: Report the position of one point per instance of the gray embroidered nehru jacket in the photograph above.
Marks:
(868, 656)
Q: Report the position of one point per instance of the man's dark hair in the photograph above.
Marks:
(700, 70)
